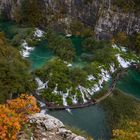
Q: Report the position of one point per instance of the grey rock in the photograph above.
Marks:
(99, 14)
(53, 126)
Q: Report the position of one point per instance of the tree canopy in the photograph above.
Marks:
(15, 77)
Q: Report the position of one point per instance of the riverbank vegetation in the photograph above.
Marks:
(123, 119)
(79, 132)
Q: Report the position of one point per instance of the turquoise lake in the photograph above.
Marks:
(91, 119)
(42, 54)
(130, 83)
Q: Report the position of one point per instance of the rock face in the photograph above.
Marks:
(99, 14)
(8, 7)
(47, 127)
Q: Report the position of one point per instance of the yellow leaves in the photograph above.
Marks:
(14, 114)
(129, 132)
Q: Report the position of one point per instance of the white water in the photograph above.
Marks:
(68, 35)
(112, 68)
(26, 49)
(38, 33)
(122, 62)
(123, 49)
(40, 84)
(91, 77)
(82, 93)
(64, 97)
(74, 99)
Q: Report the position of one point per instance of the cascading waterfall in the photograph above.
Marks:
(41, 85)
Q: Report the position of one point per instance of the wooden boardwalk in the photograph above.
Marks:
(52, 106)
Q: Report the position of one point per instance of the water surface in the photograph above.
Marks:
(40, 55)
(130, 83)
(91, 119)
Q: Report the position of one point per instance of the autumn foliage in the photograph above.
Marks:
(131, 131)
(14, 114)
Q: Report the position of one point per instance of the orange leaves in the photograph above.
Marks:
(24, 105)
(14, 114)
(8, 118)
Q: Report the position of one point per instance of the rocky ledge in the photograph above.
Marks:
(46, 127)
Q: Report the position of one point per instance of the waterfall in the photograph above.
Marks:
(41, 85)
(26, 49)
(38, 33)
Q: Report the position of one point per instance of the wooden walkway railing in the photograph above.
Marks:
(52, 106)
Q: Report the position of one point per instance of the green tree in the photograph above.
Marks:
(33, 12)
(14, 72)
(78, 77)
(61, 46)
(89, 44)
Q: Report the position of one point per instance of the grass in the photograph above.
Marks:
(120, 106)
(99, 94)
(77, 131)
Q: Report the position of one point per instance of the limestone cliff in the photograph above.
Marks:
(104, 18)
(46, 127)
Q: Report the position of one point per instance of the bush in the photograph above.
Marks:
(24, 105)
(118, 108)
(14, 114)
(32, 12)
(9, 123)
(61, 46)
(48, 96)
(79, 29)
(78, 77)
(93, 68)
(121, 38)
(89, 44)
(58, 73)
(130, 130)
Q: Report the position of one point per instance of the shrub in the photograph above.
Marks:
(89, 44)
(32, 12)
(79, 29)
(122, 39)
(61, 46)
(24, 105)
(14, 114)
(9, 123)
(130, 130)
